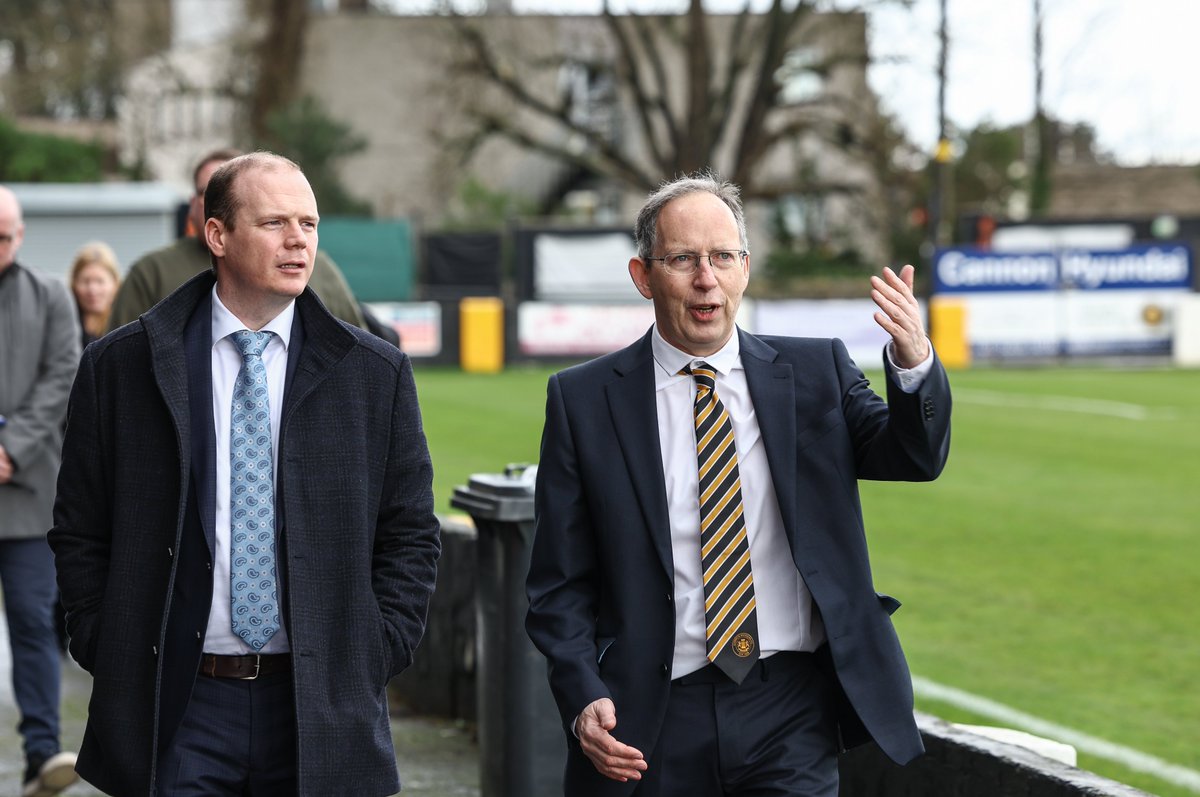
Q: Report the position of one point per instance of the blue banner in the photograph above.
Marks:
(967, 270)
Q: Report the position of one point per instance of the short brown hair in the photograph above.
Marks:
(216, 156)
(221, 200)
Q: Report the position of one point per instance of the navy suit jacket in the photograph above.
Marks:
(601, 580)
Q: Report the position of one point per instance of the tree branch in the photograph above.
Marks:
(738, 54)
(600, 160)
(644, 105)
(641, 27)
(778, 26)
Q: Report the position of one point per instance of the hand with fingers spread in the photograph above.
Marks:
(611, 758)
(900, 316)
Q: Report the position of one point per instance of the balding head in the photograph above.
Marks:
(11, 227)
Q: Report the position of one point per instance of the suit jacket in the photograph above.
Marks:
(601, 580)
(357, 539)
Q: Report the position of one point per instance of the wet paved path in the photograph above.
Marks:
(436, 757)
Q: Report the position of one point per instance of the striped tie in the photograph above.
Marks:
(731, 635)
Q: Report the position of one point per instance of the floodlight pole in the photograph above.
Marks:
(941, 172)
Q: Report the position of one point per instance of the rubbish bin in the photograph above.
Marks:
(521, 743)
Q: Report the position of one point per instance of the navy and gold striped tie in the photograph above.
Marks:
(731, 634)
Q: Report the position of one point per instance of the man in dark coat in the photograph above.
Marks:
(700, 582)
(147, 513)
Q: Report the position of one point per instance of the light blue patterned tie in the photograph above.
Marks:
(255, 602)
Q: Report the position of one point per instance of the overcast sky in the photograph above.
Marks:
(1128, 67)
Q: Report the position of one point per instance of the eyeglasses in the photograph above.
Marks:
(684, 264)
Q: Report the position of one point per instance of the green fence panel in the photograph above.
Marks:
(376, 256)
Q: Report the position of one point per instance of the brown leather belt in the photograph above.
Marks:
(245, 668)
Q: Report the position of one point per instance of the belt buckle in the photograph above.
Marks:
(257, 667)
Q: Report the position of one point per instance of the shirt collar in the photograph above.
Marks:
(225, 323)
(671, 360)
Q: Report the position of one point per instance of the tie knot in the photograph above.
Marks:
(704, 374)
(251, 344)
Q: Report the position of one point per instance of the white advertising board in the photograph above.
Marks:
(587, 268)
(580, 330)
(419, 325)
(852, 320)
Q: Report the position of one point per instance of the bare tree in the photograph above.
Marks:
(67, 57)
(701, 91)
(280, 53)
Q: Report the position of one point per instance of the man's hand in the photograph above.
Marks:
(6, 467)
(900, 316)
(611, 758)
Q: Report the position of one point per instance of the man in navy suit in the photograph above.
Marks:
(207, 681)
(722, 635)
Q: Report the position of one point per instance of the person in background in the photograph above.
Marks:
(94, 279)
(39, 352)
(157, 273)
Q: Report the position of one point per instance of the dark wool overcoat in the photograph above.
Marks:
(357, 539)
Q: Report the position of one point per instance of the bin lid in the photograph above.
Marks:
(497, 496)
(501, 484)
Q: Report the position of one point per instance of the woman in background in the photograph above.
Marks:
(94, 280)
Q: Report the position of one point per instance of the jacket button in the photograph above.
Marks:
(670, 597)
(666, 670)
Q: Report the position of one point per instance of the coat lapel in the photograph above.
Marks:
(773, 393)
(197, 343)
(318, 342)
(172, 360)
(635, 418)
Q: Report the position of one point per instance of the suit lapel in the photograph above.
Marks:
(773, 393)
(635, 419)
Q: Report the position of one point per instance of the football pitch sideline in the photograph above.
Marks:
(1048, 574)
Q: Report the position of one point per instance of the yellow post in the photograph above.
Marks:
(481, 334)
(948, 325)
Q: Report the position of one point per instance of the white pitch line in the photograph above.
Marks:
(1101, 748)
(1115, 409)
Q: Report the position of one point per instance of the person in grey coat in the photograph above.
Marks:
(39, 349)
(187, 698)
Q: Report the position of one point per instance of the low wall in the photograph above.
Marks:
(957, 763)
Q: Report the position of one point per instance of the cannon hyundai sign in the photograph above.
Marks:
(968, 270)
(1069, 302)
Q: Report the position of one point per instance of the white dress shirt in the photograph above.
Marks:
(787, 619)
(226, 363)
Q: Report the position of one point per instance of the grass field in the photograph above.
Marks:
(1052, 568)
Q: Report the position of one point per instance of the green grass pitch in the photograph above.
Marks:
(1052, 568)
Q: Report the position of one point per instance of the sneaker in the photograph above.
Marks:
(47, 777)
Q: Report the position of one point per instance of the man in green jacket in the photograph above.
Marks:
(157, 273)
